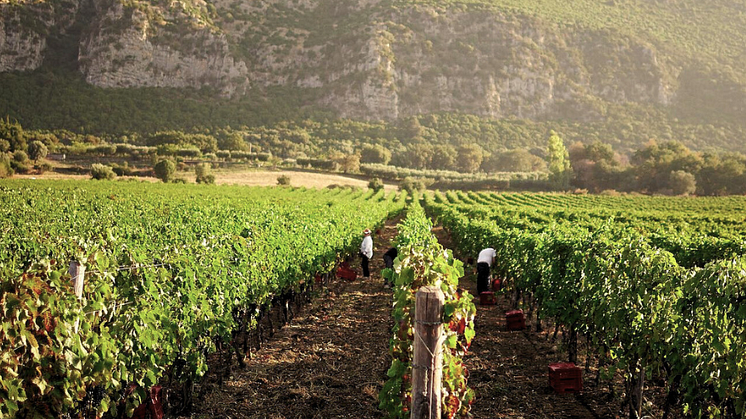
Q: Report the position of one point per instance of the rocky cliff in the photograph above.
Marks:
(25, 26)
(370, 59)
(168, 47)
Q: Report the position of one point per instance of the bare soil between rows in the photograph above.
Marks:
(331, 360)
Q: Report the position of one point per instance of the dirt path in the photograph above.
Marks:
(255, 177)
(329, 362)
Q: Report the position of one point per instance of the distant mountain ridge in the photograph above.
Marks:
(387, 60)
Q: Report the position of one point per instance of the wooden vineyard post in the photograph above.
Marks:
(427, 368)
(77, 272)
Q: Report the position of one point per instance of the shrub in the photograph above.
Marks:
(191, 152)
(102, 172)
(349, 163)
(6, 170)
(204, 173)
(167, 150)
(122, 170)
(240, 155)
(283, 180)
(20, 156)
(376, 184)
(322, 164)
(134, 151)
(102, 150)
(145, 152)
(165, 170)
(682, 182)
(412, 185)
(20, 162)
(44, 167)
(125, 150)
(37, 150)
(375, 154)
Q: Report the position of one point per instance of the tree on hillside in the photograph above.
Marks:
(558, 160)
(13, 133)
(205, 143)
(412, 185)
(49, 139)
(234, 141)
(349, 163)
(518, 160)
(655, 162)
(375, 153)
(418, 155)
(166, 137)
(37, 150)
(20, 162)
(596, 167)
(682, 183)
(469, 158)
(722, 174)
(6, 170)
(444, 157)
(296, 136)
(411, 128)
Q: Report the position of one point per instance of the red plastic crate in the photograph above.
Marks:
(565, 377)
(515, 320)
(346, 273)
(487, 298)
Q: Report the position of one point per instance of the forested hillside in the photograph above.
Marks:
(498, 73)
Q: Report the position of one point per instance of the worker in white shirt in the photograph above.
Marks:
(366, 252)
(484, 264)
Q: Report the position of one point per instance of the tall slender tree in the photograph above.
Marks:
(558, 159)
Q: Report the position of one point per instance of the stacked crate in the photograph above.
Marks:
(515, 320)
(565, 377)
(487, 298)
(345, 272)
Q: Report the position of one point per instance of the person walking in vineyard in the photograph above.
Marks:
(366, 252)
(484, 264)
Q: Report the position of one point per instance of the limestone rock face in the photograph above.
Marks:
(423, 59)
(500, 66)
(24, 28)
(363, 59)
(126, 49)
(20, 50)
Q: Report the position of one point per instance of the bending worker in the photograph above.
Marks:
(484, 264)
